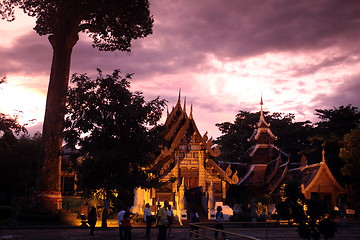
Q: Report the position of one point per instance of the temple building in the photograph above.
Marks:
(269, 164)
(318, 183)
(194, 179)
(186, 163)
(270, 167)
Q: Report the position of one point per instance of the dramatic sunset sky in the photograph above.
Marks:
(300, 55)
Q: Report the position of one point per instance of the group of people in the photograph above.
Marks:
(163, 220)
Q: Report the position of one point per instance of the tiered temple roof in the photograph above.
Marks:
(181, 129)
(267, 168)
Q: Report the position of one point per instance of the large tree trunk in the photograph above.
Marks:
(49, 179)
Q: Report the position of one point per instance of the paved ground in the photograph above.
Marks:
(349, 232)
(81, 234)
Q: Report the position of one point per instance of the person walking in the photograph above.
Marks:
(120, 218)
(194, 218)
(170, 215)
(92, 218)
(162, 221)
(219, 222)
(148, 217)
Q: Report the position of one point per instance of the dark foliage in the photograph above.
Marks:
(18, 166)
(329, 132)
(292, 202)
(350, 154)
(112, 24)
(117, 133)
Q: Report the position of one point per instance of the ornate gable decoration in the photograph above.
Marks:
(181, 129)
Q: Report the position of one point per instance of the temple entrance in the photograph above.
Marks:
(193, 200)
(193, 196)
(191, 182)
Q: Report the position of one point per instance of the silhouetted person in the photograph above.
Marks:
(120, 218)
(92, 220)
(148, 217)
(219, 221)
(170, 215)
(194, 218)
(127, 224)
(162, 221)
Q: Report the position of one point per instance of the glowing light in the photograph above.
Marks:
(28, 103)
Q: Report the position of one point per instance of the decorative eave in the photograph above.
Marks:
(281, 151)
(171, 129)
(283, 175)
(249, 172)
(257, 146)
(220, 172)
(272, 175)
(174, 144)
(262, 121)
(264, 130)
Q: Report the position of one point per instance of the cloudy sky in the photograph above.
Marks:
(300, 55)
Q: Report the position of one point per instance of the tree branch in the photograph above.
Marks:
(90, 27)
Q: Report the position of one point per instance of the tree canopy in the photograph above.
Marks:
(112, 24)
(9, 129)
(350, 153)
(328, 133)
(117, 133)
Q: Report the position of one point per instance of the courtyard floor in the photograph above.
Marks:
(48, 232)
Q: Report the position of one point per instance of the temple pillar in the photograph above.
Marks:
(139, 199)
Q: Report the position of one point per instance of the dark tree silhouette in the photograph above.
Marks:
(117, 133)
(111, 23)
(333, 125)
(18, 166)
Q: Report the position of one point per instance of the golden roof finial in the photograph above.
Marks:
(185, 104)
(261, 105)
(179, 96)
(191, 110)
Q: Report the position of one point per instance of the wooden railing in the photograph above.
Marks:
(205, 232)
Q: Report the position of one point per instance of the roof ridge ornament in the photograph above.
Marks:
(185, 104)
(191, 110)
(179, 96)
